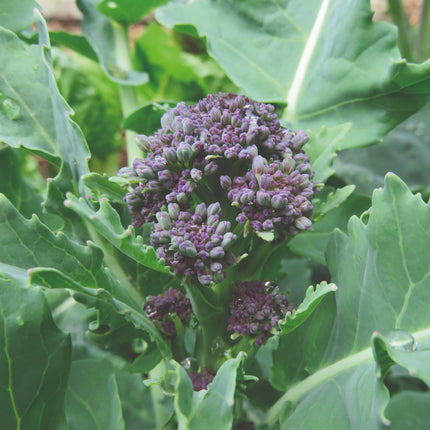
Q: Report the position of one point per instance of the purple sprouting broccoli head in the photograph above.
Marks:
(194, 243)
(226, 150)
(201, 379)
(161, 308)
(256, 308)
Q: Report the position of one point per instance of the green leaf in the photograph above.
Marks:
(17, 15)
(306, 54)
(54, 261)
(108, 39)
(384, 284)
(313, 297)
(400, 347)
(328, 200)
(404, 151)
(195, 410)
(14, 185)
(35, 360)
(92, 400)
(33, 114)
(127, 11)
(313, 244)
(102, 186)
(409, 410)
(321, 150)
(146, 119)
(106, 222)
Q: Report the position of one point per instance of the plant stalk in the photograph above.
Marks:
(423, 42)
(401, 19)
(127, 94)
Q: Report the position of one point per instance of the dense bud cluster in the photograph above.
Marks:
(161, 308)
(201, 379)
(256, 308)
(194, 243)
(227, 149)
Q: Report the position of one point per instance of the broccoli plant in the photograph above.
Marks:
(220, 237)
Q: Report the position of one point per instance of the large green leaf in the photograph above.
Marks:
(381, 270)
(17, 15)
(34, 360)
(405, 151)
(109, 41)
(92, 400)
(326, 59)
(33, 114)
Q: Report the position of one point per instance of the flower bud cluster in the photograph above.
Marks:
(274, 195)
(228, 149)
(256, 309)
(161, 308)
(194, 243)
(201, 379)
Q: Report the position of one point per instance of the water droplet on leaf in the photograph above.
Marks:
(117, 72)
(401, 340)
(218, 347)
(189, 364)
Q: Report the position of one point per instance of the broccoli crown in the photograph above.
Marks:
(256, 308)
(161, 308)
(226, 150)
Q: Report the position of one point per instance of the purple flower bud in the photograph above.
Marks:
(174, 210)
(303, 223)
(214, 209)
(278, 202)
(225, 182)
(228, 240)
(247, 197)
(181, 197)
(268, 224)
(145, 172)
(288, 165)
(226, 118)
(153, 185)
(223, 227)
(170, 155)
(164, 220)
(196, 174)
(143, 142)
(259, 165)
(167, 118)
(201, 210)
(299, 139)
(213, 220)
(184, 153)
(211, 168)
(216, 267)
(187, 127)
(187, 249)
(217, 252)
(205, 279)
(215, 114)
(263, 198)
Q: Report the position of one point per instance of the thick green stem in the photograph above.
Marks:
(400, 18)
(127, 93)
(423, 42)
(212, 314)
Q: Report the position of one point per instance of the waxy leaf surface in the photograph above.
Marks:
(34, 360)
(33, 114)
(382, 272)
(326, 59)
